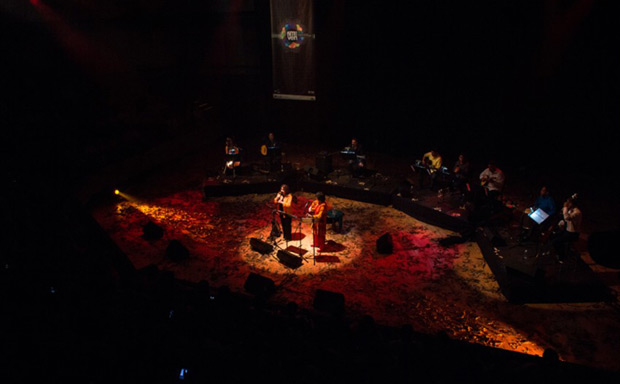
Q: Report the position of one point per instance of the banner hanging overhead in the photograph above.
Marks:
(292, 47)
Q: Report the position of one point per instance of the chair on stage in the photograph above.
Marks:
(335, 217)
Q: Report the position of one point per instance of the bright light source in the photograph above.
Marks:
(117, 192)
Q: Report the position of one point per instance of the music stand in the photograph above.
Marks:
(301, 220)
(348, 154)
(274, 151)
(275, 230)
(292, 217)
(273, 158)
(538, 216)
(313, 241)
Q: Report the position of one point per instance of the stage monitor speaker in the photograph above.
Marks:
(152, 231)
(260, 246)
(289, 259)
(385, 245)
(259, 285)
(176, 251)
(327, 301)
(324, 163)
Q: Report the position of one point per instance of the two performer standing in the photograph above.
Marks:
(317, 210)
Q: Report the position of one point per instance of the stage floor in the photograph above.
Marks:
(422, 283)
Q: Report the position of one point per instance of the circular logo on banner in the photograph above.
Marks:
(292, 35)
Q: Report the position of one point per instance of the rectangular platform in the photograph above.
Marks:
(527, 275)
(244, 184)
(446, 211)
(375, 189)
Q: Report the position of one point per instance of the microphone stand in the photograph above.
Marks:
(313, 240)
(299, 222)
(275, 231)
(313, 237)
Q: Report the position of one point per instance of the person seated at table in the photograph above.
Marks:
(233, 156)
(356, 162)
(432, 161)
(271, 149)
(492, 179)
(546, 203)
(460, 173)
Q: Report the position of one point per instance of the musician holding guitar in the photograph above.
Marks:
(492, 179)
(284, 202)
(272, 152)
(460, 173)
(431, 161)
(357, 158)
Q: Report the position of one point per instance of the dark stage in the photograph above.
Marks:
(179, 269)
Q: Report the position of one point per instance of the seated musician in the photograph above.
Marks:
(545, 202)
(492, 179)
(318, 210)
(460, 173)
(233, 156)
(284, 202)
(272, 151)
(357, 158)
(432, 161)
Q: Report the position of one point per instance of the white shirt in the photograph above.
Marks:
(572, 219)
(495, 179)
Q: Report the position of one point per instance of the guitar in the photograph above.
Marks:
(424, 165)
(484, 181)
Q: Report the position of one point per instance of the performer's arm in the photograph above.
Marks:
(569, 214)
(312, 206)
(439, 162)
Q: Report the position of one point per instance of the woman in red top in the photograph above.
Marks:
(318, 211)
